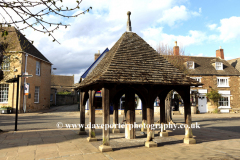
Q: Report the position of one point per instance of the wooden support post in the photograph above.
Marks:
(91, 116)
(82, 114)
(150, 131)
(144, 118)
(162, 110)
(188, 119)
(163, 132)
(115, 118)
(106, 121)
(130, 116)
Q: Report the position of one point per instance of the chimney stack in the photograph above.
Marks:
(176, 49)
(97, 55)
(219, 53)
(129, 27)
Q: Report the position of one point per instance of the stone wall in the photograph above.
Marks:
(43, 81)
(66, 99)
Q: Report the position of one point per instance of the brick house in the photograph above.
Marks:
(22, 57)
(215, 73)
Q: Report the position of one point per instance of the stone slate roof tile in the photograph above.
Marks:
(235, 63)
(132, 60)
(61, 80)
(205, 66)
(18, 42)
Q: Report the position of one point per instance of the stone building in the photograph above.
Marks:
(62, 83)
(215, 73)
(22, 57)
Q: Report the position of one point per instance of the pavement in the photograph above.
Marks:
(218, 138)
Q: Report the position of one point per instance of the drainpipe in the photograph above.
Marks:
(24, 96)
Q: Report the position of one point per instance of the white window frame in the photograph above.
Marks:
(219, 65)
(38, 68)
(226, 83)
(36, 92)
(4, 90)
(197, 79)
(228, 106)
(188, 64)
(6, 63)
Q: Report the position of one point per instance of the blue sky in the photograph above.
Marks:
(199, 26)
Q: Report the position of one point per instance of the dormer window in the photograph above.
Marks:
(219, 65)
(190, 65)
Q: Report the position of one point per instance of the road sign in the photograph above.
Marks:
(26, 76)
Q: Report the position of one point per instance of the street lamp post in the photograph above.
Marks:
(12, 81)
(16, 117)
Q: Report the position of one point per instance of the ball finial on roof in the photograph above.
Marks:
(129, 27)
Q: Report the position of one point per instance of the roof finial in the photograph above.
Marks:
(220, 47)
(175, 43)
(129, 27)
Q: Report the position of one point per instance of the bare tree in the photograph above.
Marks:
(176, 60)
(35, 19)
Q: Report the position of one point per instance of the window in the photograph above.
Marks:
(6, 63)
(190, 65)
(223, 102)
(36, 95)
(197, 79)
(219, 65)
(193, 95)
(38, 68)
(4, 93)
(222, 82)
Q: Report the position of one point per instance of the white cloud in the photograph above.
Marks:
(212, 26)
(200, 10)
(104, 25)
(155, 35)
(229, 29)
(172, 15)
(200, 55)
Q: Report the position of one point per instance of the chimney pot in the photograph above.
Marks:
(176, 49)
(220, 53)
(97, 55)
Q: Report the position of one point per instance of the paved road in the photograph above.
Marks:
(48, 119)
(38, 138)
